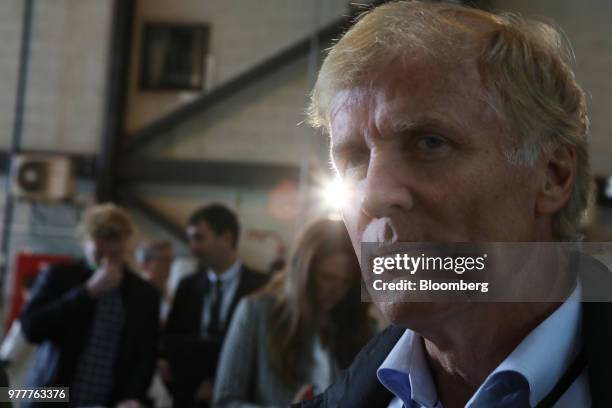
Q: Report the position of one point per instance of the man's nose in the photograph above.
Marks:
(386, 192)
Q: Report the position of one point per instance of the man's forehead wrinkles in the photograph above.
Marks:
(403, 109)
(398, 101)
(350, 98)
(350, 113)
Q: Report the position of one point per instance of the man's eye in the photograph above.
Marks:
(355, 167)
(431, 142)
(432, 147)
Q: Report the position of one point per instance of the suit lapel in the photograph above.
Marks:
(359, 385)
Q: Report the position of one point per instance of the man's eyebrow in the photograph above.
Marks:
(425, 122)
(348, 143)
(447, 127)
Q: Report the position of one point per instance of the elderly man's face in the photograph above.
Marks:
(423, 155)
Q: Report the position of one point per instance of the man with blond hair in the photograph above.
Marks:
(96, 321)
(450, 124)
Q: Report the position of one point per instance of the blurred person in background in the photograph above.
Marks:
(205, 302)
(289, 340)
(96, 321)
(16, 352)
(154, 261)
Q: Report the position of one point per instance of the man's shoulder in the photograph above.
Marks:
(254, 277)
(382, 343)
(190, 280)
(255, 273)
(140, 284)
(66, 272)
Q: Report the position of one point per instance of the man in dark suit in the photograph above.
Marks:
(96, 321)
(450, 124)
(204, 302)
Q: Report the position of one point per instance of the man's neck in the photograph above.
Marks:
(465, 346)
(462, 356)
(224, 264)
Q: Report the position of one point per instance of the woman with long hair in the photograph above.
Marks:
(291, 338)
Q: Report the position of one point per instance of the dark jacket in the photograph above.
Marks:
(185, 317)
(185, 320)
(358, 386)
(59, 317)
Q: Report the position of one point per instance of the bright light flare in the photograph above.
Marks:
(335, 194)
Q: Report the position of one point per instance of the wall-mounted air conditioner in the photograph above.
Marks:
(41, 177)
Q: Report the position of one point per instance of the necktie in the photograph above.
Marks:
(214, 327)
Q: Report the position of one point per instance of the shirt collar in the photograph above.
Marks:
(229, 274)
(542, 358)
(547, 352)
(406, 374)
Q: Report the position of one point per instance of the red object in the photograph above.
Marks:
(25, 266)
(309, 394)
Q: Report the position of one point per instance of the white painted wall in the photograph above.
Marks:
(242, 34)
(259, 124)
(67, 77)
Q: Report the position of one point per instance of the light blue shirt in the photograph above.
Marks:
(229, 285)
(538, 362)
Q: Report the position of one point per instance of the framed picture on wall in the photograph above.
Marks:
(173, 56)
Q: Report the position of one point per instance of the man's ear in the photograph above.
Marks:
(558, 180)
